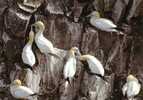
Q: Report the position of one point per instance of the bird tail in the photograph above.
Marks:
(99, 75)
(118, 30)
(55, 55)
(131, 99)
(36, 94)
(29, 67)
(67, 83)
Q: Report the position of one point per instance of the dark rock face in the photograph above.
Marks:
(66, 27)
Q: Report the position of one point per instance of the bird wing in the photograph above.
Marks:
(133, 88)
(124, 89)
(23, 92)
(104, 24)
(44, 45)
(28, 57)
(95, 65)
(70, 68)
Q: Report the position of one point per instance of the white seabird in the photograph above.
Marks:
(102, 23)
(92, 65)
(20, 92)
(70, 66)
(28, 56)
(131, 88)
(41, 41)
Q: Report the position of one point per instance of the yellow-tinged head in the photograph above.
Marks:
(131, 78)
(38, 26)
(16, 82)
(74, 50)
(95, 14)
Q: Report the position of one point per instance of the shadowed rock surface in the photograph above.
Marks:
(66, 27)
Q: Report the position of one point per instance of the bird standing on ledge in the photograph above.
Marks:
(28, 56)
(70, 66)
(102, 23)
(43, 43)
(20, 92)
(92, 65)
(131, 88)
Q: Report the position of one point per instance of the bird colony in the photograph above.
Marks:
(90, 63)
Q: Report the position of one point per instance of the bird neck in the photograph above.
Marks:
(40, 34)
(94, 18)
(13, 87)
(72, 54)
(30, 42)
(83, 58)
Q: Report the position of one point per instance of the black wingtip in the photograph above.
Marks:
(29, 67)
(36, 94)
(99, 75)
(68, 80)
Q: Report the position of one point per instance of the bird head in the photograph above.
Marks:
(131, 78)
(75, 51)
(38, 26)
(84, 57)
(16, 82)
(95, 14)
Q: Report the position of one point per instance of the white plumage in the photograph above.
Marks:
(70, 68)
(131, 88)
(94, 64)
(20, 92)
(28, 56)
(43, 43)
(102, 23)
(70, 65)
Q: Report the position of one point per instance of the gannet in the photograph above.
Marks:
(20, 92)
(92, 65)
(102, 23)
(28, 56)
(70, 65)
(42, 42)
(131, 88)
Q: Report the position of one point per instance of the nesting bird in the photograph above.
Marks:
(20, 92)
(102, 23)
(131, 88)
(92, 65)
(70, 65)
(28, 56)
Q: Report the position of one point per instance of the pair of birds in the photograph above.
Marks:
(91, 64)
(45, 46)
